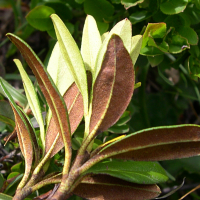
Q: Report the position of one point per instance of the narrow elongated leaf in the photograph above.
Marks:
(17, 96)
(32, 99)
(59, 71)
(24, 137)
(160, 143)
(72, 57)
(53, 97)
(5, 197)
(113, 88)
(74, 102)
(6, 113)
(122, 29)
(103, 187)
(91, 43)
(132, 171)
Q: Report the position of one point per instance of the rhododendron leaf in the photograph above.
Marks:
(132, 171)
(72, 57)
(91, 43)
(59, 71)
(74, 102)
(52, 95)
(113, 88)
(135, 47)
(32, 99)
(103, 187)
(24, 137)
(154, 144)
(124, 31)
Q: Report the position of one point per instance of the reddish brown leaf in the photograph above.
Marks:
(153, 144)
(53, 97)
(74, 102)
(113, 87)
(26, 146)
(104, 187)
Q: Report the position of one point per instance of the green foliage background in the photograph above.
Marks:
(168, 66)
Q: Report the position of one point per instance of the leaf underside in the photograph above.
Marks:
(74, 103)
(53, 97)
(103, 187)
(161, 143)
(113, 87)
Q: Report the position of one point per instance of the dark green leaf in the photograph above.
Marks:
(95, 9)
(139, 16)
(155, 60)
(171, 7)
(130, 3)
(5, 197)
(39, 18)
(131, 171)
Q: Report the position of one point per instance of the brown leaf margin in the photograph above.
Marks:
(104, 187)
(113, 88)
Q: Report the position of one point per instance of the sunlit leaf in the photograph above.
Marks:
(122, 29)
(132, 171)
(32, 99)
(53, 97)
(74, 102)
(172, 7)
(91, 43)
(113, 88)
(135, 47)
(103, 187)
(72, 57)
(153, 144)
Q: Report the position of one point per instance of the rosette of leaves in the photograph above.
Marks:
(95, 83)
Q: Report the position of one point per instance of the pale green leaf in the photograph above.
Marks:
(91, 43)
(72, 57)
(135, 47)
(124, 30)
(59, 71)
(32, 99)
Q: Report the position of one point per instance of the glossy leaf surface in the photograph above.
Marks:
(130, 3)
(113, 88)
(39, 17)
(171, 7)
(160, 143)
(103, 187)
(132, 171)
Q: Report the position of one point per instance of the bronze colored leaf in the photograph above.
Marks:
(74, 102)
(26, 146)
(113, 87)
(160, 143)
(104, 187)
(52, 95)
